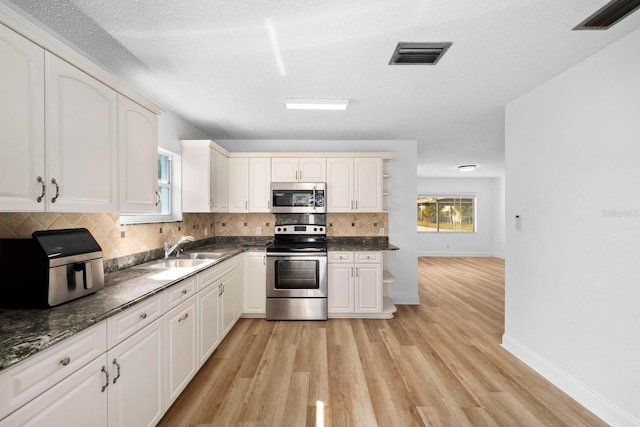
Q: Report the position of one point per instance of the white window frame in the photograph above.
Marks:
(176, 196)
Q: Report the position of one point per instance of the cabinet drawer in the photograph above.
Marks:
(339, 257)
(210, 275)
(133, 319)
(23, 382)
(366, 257)
(180, 292)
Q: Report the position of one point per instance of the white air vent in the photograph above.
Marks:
(609, 15)
(408, 53)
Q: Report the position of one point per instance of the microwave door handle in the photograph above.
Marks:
(314, 197)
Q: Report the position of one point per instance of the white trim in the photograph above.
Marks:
(596, 403)
(383, 155)
(404, 299)
(14, 20)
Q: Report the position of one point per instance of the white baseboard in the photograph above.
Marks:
(456, 254)
(590, 399)
(404, 299)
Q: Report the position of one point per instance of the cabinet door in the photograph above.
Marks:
(22, 123)
(78, 401)
(312, 169)
(82, 145)
(368, 288)
(340, 282)
(284, 169)
(196, 178)
(238, 294)
(259, 184)
(208, 318)
(137, 156)
(222, 182)
(238, 184)
(255, 292)
(368, 184)
(227, 306)
(136, 392)
(181, 365)
(339, 185)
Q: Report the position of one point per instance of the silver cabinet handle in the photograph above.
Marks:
(158, 198)
(357, 271)
(44, 189)
(300, 178)
(351, 271)
(184, 292)
(65, 361)
(246, 205)
(352, 205)
(356, 205)
(143, 316)
(117, 365)
(186, 315)
(106, 373)
(54, 198)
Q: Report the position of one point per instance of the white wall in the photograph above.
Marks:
(573, 272)
(488, 218)
(172, 128)
(402, 186)
(499, 217)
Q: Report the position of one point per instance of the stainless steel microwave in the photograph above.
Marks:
(298, 197)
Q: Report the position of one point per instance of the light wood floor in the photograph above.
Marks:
(439, 363)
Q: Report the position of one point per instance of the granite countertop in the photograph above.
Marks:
(360, 244)
(25, 332)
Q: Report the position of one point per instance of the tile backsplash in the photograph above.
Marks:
(119, 240)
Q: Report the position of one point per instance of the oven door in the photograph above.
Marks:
(296, 275)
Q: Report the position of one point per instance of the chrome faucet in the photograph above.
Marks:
(169, 250)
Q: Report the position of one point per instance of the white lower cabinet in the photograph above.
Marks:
(180, 349)
(129, 369)
(354, 283)
(80, 400)
(255, 296)
(136, 368)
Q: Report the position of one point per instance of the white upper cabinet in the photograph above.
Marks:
(354, 184)
(205, 177)
(293, 169)
(22, 123)
(137, 157)
(81, 134)
(249, 184)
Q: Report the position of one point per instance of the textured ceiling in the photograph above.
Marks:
(226, 66)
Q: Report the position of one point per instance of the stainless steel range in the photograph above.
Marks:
(297, 269)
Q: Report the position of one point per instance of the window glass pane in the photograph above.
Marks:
(164, 207)
(446, 214)
(163, 169)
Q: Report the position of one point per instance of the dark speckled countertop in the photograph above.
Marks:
(25, 332)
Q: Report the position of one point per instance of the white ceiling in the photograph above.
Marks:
(227, 66)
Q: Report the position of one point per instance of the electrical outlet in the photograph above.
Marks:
(206, 231)
(258, 230)
(381, 232)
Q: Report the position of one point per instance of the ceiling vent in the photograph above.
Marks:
(609, 15)
(418, 53)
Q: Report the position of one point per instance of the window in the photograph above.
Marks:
(168, 207)
(446, 214)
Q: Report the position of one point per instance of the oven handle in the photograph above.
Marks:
(297, 254)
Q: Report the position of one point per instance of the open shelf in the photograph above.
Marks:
(387, 277)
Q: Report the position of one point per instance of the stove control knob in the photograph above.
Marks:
(284, 229)
(315, 228)
(279, 229)
(321, 229)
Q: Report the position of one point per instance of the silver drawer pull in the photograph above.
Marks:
(106, 373)
(183, 317)
(44, 189)
(143, 316)
(65, 361)
(184, 292)
(117, 365)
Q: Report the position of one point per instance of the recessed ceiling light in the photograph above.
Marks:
(316, 104)
(466, 168)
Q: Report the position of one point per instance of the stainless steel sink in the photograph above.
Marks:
(175, 263)
(206, 255)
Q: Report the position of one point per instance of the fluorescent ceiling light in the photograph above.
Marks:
(466, 168)
(316, 104)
